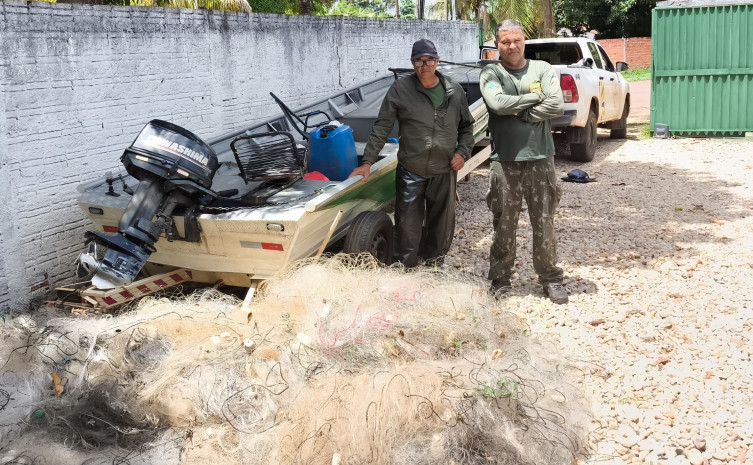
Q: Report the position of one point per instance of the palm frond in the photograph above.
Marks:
(437, 9)
(527, 12)
(465, 9)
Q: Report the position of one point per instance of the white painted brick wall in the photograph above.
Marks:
(78, 82)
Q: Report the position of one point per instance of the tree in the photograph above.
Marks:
(221, 5)
(465, 9)
(528, 12)
(360, 8)
(611, 18)
(536, 16)
(547, 17)
(269, 6)
(291, 7)
(407, 9)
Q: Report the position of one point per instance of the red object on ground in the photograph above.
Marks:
(315, 176)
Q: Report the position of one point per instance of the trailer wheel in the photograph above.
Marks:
(371, 232)
(586, 150)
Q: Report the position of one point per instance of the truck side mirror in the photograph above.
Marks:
(621, 66)
(588, 62)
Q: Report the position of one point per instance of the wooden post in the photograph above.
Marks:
(329, 234)
(250, 295)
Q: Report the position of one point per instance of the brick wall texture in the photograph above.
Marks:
(635, 51)
(78, 82)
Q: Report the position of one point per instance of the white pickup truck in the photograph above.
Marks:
(595, 93)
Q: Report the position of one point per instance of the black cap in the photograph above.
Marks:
(423, 48)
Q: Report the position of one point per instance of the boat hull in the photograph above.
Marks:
(242, 244)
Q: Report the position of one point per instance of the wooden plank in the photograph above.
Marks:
(108, 298)
(329, 233)
(475, 161)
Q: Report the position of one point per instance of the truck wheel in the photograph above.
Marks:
(620, 129)
(586, 150)
(371, 232)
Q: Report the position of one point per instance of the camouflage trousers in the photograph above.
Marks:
(510, 182)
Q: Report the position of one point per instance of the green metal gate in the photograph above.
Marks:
(702, 67)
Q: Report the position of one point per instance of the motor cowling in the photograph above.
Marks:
(174, 168)
(172, 153)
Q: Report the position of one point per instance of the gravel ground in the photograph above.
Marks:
(659, 267)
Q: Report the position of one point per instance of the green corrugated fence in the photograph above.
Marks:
(702, 69)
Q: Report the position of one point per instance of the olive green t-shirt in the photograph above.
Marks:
(521, 102)
(436, 94)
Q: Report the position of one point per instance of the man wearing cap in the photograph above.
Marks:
(436, 137)
(522, 96)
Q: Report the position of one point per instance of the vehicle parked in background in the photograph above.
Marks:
(595, 93)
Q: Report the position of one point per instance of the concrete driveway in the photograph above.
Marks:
(640, 101)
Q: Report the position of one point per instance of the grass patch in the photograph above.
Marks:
(638, 74)
(503, 388)
(645, 132)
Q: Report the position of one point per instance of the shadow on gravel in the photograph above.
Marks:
(653, 211)
(638, 215)
(638, 130)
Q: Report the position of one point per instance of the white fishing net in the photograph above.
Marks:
(341, 361)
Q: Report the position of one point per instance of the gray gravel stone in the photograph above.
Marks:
(659, 249)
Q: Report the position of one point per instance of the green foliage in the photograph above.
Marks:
(638, 74)
(221, 5)
(611, 18)
(437, 10)
(356, 8)
(527, 12)
(493, 12)
(360, 8)
(407, 9)
(319, 7)
(288, 7)
(645, 132)
(270, 6)
(504, 388)
(377, 6)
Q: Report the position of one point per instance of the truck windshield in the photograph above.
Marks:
(554, 53)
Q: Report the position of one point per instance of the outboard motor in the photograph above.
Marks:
(175, 168)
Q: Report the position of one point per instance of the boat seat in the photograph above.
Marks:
(269, 156)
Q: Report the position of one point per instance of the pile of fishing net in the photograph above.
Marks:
(339, 361)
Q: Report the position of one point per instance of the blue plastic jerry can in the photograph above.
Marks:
(332, 151)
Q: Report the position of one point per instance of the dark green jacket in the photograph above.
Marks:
(428, 138)
(521, 103)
